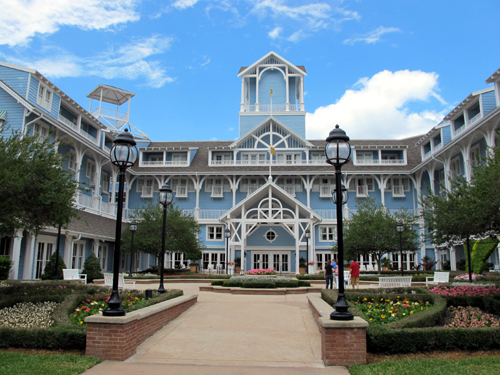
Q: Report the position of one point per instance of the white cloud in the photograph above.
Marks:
(206, 62)
(275, 33)
(373, 36)
(183, 4)
(378, 107)
(297, 36)
(22, 20)
(128, 61)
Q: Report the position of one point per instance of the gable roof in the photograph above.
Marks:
(110, 94)
(263, 124)
(494, 77)
(300, 69)
(262, 192)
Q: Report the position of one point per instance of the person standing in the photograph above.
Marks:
(328, 272)
(354, 271)
(336, 269)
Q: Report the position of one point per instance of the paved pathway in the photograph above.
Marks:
(225, 333)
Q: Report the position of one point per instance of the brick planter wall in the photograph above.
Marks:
(343, 343)
(116, 338)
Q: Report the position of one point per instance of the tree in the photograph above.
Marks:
(92, 268)
(182, 232)
(50, 268)
(372, 230)
(453, 217)
(35, 191)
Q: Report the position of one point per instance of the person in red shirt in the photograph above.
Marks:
(354, 270)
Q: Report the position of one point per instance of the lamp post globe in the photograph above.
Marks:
(227, 235)
(123, 154)
(338, 153)
(345, 196)
(165, 197)
(401, 228)
(132, 228)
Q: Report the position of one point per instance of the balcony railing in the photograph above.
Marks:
(95, 205)
(67, 122)
(267, 108)
(475, 119)
(210, 214)
(459, 130)
(378, 161)
(88, 136)
(161, 163)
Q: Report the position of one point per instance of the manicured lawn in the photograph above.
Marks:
(468, 366)
(44, 364)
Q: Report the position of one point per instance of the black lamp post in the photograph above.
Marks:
(132, 228)
(401, 228)
(307, 234)
(123, 155)
(227, 234)
(56, 274)
(165, 198)
(338, 153)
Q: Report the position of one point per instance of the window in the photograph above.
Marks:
(5, 247)
(104, 183)
(214, 232)
(44, 98)
(41, 130)
(294, 158)
(222, 158)
(77, 256)
(71, 160)
(146, 186)
(364, 157)
(327, 233)
(102, 254)
(475, 156)
(318, 157)
(253, 158)
(179, 159)
(323, 258)
(271, 235)
(362, 186)
(90, 173)
(455, 169)
(44, 251)
(213, 259)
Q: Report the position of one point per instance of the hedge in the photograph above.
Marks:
(232, 284)
(259, 284)
(304, 283)
(488, 304)
(217, 283)
(287, 284)
(59, 337)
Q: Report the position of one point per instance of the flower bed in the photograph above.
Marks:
(251, 278)
(465, 276)
(466, 290)
(28, 315)
(262, 271)
(471, 317)
(383, 311)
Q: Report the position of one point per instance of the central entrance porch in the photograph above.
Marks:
(277, 260)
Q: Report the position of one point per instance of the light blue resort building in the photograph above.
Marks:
(266, 199)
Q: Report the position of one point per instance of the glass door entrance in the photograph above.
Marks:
(276, 261)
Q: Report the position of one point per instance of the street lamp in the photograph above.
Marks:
(227, 234)
(338, 153)
(132, 228)
(123, 155)
(165, 198)
(401, 228)
(307, 234)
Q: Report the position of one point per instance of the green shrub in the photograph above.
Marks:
(304, 283)
(287, 284)
(217, 283)
(259, 284)
(232, 284)
(481, 251)
(50, 269)
(5, 266)
(92, 268)
(60, 337)
(489, 304)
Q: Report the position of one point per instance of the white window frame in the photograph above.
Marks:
(253, 158)
(47, 246)
(41, 130)
(364, 157)
(455, 168)
(91, 176)
(327, 233)
(215, 232)
(44, 97)
(475, 155)
(78, 255)
(104, 182)
(72, 160)
(103, 256)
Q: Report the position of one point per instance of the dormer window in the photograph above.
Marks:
(222, 158)
(474, 114)
(289, 158)
(459, 124)
(44, 98)
(253, 158)
(364, 157)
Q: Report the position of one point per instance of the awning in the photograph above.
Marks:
(3, 115)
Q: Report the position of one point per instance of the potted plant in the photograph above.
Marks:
(237, 262)
(385, 263)
(193, 266)
(302, 266)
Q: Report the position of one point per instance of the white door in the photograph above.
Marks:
(43, 256)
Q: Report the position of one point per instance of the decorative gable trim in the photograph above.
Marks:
(272, 58)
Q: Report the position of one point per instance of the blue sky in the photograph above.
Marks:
(380, 69)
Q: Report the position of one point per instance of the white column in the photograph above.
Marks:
(68, 250)
(287, 83)
(242, 105)
(257, 90)
(302, 94)
(29, 257)
(16, 254)
(453, 258)
(96, 246)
